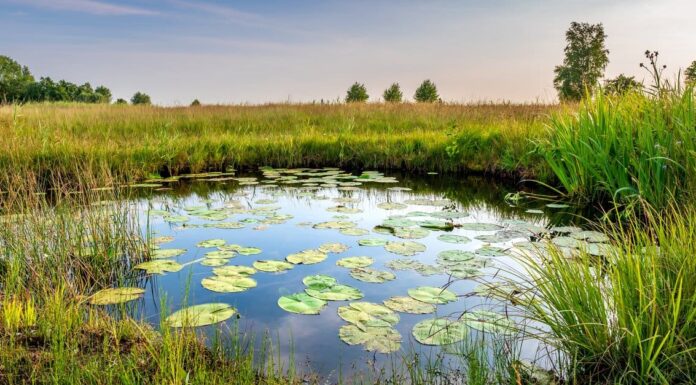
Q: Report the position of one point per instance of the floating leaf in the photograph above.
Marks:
(428, 202)
(381, 340)
(344, 209)
(590, 236)
(453, 257)
(406, 248)
(176, 218)
(337, 225)
(368, 314)
(333, 248)
(335, 293)
(201, 315)
(353, 262)
(410, 232)
(440, 331)
(373, 242)
(228, 284)
(437, 225)
(220, 254)
(301, 303)
(319, 281)
(451, 238)
(161, 240)
(116, 295)
(233, 271)
(481, 226)
(167, 253)
(534, 211)
(409, 305)
(272, 266)
(430, 294)
(403, 264)
(567, 242)
(395, 222)
(228, 225)
(565, 229)
(306, 257)
(490, 251)
(159, 266)
(354, 232)
(488, 321)
(370, 275)
(214, 262)
(391, 206)
(426, 270)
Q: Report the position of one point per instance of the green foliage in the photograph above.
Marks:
(14, 80)
(357, 93)
(393, 94)
(140, 98)
(622, 84)
(690, 73)
(121, 101)
(426, 93)
(195, 103)
(585, 60)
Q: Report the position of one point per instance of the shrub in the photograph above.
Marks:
(357, 93)
(140, 98)
(393, 94)
(426, 93)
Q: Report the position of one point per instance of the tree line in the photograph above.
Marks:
(425, 93)
(17, 85)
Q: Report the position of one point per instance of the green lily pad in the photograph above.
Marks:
(403, 264)
(427, 270)
(228, 284)
(567, 242)
(488, 321)
(159, 266)
(301, 303)
(336, 225)
(116, 295)
(428, 202)
(391, 206)
(409, 305)
(449, 214)
(534, 211)
(410, 232)
(373, 242)
(239, 249)
(335, 293)
(161, 240)
(211, 243)
(481, 226)
(176, 218)
(306, 257)
(201, 315)
(220, 254)
(367, 314)
(234, 271)
(434, 295)
(272, 266)
(406, 248)
(451, 238)
(333, 248)
(590, 236)
(167, 253)
(319, 281)
(565, 229)
(440, 331)
(214, 262)
(395, 222)
(490, 251)
(344, 209)
(353, 262)
(228, 225)
(437, 225)
(370, 275)
(380, 340)
(453, 257)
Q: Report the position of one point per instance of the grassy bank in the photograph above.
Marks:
(135, 142)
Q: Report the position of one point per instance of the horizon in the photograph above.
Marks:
(269, 52)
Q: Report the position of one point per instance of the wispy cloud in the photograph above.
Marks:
(93, 7)
(229, 13)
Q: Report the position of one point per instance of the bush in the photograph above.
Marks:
(195, 103)
(140, 98)
(426, 93)
(357, 93)
(393, 94)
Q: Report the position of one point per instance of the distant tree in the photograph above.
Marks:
(121, 101)
(393, 94)
(586, 57)
(140, 98)
(426, 92)
(690, 73)
(621, 85)
(103, 94)
(357, 93)
(14, 80)
(195, 103)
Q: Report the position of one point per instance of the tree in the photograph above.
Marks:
(426, 92)
(103, 94)
(121, 101)
(621, 85)
(195, 103)
(690, 73)
(14, 80)
(140, 98)
(393, 94)
(357, 93)
(586, 57)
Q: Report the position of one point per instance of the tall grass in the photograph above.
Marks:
(629, 319)
(635, 149)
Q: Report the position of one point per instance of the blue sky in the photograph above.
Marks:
(270, 51)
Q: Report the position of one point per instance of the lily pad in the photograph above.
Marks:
(319, 281)
(409, 305)
(440, 331)
(434, 295)
(453, 257)
(167, 253)
(557, 206)
(214, 262)
(410, 232)
(344, 209)
(228, 284)
(367, 274)
(306, 257)
(451, 238)
(201, 315)
(301, 303)
(333, 248)
(406, 248)
(159, 266)
(272, 266)
(368, 314)
(481, 226)
(220, 254)
(488, 321)
(380, 340)
(353, 262)
(337, 225)
(354, 232)
(565, 229)
(394, 222)
(567, 242)
(161, 240)
(427, 270)
(116, 295)
(436, 225)
(176, 218)
(590, 236)
(373, 242)
(490, 251)
(234, 271)
(403, 264)
(391, 206)
(335, 293)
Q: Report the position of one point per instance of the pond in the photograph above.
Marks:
(346, 245)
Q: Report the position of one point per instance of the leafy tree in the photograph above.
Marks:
(103, 94)
(140, 98)
(357, 93)
(690, 73)
(586, 57)
(195, 103)
(14, 80)
(393, 94)
(621, 85)
(426, 92)
(121, 101)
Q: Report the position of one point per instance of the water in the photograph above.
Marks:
(313, 339)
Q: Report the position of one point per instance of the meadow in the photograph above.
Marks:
(626, 318)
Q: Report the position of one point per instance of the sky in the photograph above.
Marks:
(302, 51)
